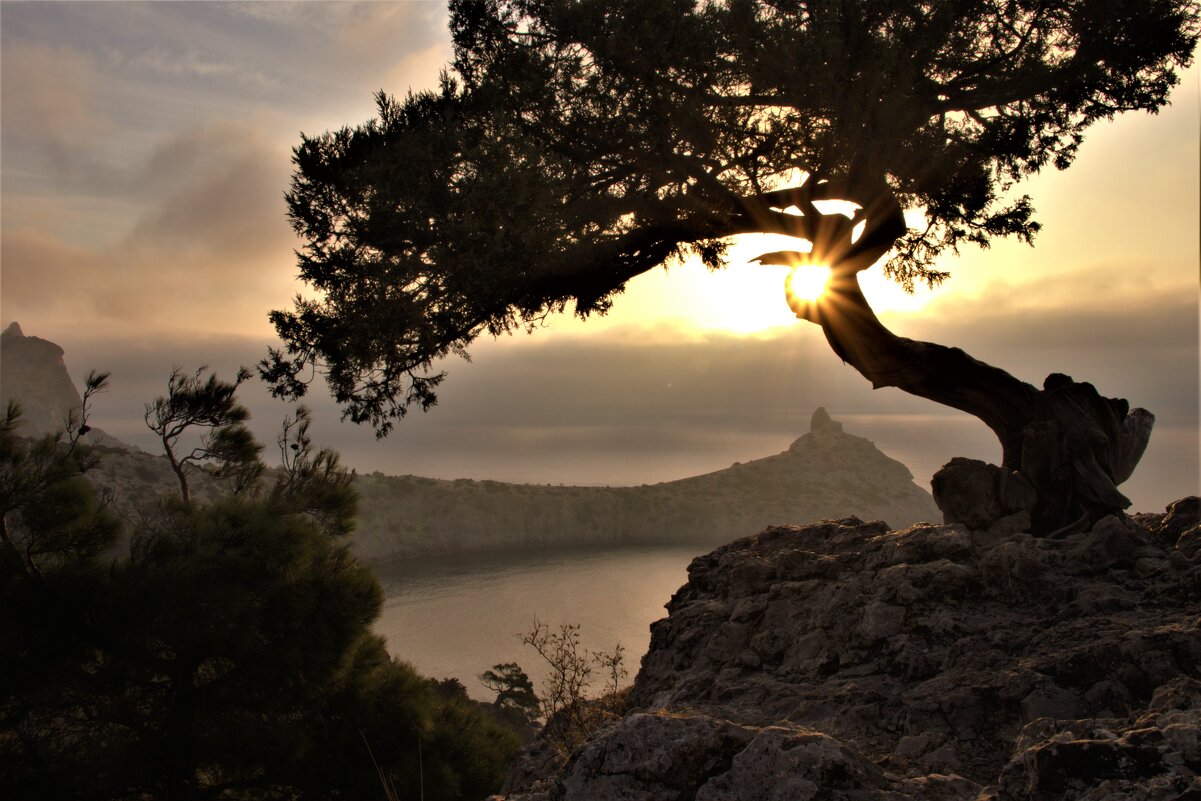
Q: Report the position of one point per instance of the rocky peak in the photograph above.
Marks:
(821, 422)
(32, 372)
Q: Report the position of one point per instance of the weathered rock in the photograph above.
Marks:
(931, 662)
(980, 495)
(667, 757)
(1189, 543)
(820, 421)
(653, 757)
(1155, 756)
(1113, 542)
(1181, 516)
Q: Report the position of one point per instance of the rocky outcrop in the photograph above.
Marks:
(984, 496)
(33, 374)
(845, 660)
(825, 473)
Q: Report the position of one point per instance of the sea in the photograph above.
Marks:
(457, 617)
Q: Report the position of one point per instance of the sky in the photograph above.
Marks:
(145, 149)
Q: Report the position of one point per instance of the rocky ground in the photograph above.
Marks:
(844, 660)
(33, 374)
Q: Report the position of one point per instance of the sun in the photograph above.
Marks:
(806, 282)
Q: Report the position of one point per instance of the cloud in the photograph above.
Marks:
(1129, 339)
(37, 270)
(373, 27)
(64, 134)
(356, 41)
(193, 64)
(51, 91)
(153, 289)
(418, 71)
(230, 204)
(54, 112)
(341, 19)
(211, 249)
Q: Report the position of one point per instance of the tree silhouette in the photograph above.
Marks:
(575, 145)
(515, 694)
(226, 450)
(50, 515)
(220, 650)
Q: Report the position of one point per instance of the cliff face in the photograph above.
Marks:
(32, 372)
(825, 473)
(844, 660)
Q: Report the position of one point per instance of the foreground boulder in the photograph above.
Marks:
(842, 660)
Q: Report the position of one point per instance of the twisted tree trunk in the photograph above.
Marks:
(1071, 444)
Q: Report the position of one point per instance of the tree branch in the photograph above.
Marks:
(944, 375)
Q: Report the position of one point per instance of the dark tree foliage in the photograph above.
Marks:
(574, 145)
(227, 655)
(50, 517)
(54, 532)
(313, 482)
(515, 696)
(226, 450)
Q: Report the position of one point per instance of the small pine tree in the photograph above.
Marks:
(227, 450)
(515, 696)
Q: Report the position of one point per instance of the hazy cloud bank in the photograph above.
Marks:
(585, 411)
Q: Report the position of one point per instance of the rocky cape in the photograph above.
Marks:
(845, 660)
(824, 473)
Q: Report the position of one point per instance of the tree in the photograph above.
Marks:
(570, 711)
(55, 538)
(314, 482)
(574, 145)
(515, 696)
(50, 516)
(228, 655)
(227, 449)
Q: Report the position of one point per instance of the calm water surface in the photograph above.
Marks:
(458, 617)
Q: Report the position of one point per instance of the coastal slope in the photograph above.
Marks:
(825, 473)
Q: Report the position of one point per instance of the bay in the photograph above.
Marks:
(459, 616)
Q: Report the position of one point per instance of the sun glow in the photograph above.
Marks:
(806, 282)
(743, 300)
